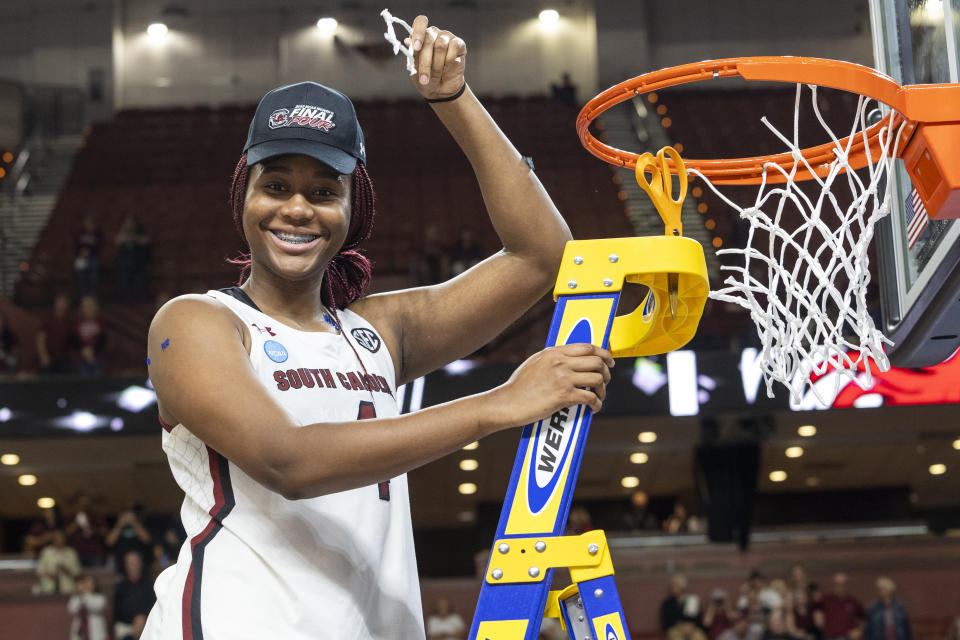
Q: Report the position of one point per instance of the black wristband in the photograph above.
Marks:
(449, 98)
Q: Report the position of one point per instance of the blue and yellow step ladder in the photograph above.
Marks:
(529, 543)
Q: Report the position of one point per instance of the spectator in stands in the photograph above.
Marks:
(431, 263)
(740, 629)
(639, 517)
(579, 520)
(57, 566)
(680, 521)
(88, 606)
(718, 615)
(565, 92)
(842, 613)
(53, 339)
(166, 550)
(445, 623)
(132, 600)
(129, 535)
(90, 338)
(798, 579)
(887, 617)
(465, 252)
(134, 249)
(85, 530)
(86, 265)
(8, 347)
(750, 602)
(773, 596)
(40, 533)
(777, 627)
(803, 619)
(671, 609)
(688, 627)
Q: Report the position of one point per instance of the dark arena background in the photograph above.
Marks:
(118, 138)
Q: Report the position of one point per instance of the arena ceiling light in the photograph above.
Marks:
(549, 18)
(778, 475)
(629, 482)
(467, 488)
(807, 431)
(9, 459)
(5, 414)
(157, 30)
(470, 447)
(794, 452)
(469, 464)
(646, 437)
(956, 444)
(327, 26)
(937, 469)
(46, 503)
(27, 480)
(639, 458)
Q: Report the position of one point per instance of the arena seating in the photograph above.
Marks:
(171, 168)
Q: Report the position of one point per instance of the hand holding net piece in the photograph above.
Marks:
(398, 46)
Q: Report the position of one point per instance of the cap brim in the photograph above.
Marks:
(341, 161)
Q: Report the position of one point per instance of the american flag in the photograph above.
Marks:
(917, 218)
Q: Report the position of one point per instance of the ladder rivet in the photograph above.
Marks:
(503, 548)
(598, 593)
(572, 284)
(614, 257)
(577, 259)
(540, 546)
(580, 618)
(534, 572)
(496, 574)
(593, 549)
(607, 282)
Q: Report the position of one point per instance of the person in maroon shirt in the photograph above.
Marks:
(85, 531)
(53, 339)
(843, 614)
(90, 337)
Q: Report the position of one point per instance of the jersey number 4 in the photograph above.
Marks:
(367, 411)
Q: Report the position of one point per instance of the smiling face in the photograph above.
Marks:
(296, 215)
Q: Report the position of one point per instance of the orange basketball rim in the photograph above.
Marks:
(929, 144)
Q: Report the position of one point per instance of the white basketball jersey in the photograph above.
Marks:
(256, 565)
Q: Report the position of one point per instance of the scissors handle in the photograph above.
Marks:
(660, 186)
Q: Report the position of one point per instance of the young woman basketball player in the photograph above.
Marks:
(276, 397)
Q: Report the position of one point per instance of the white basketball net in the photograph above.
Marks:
(391, 37)
(805, 287)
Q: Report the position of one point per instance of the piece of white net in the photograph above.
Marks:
(391, 37)
(805, 284)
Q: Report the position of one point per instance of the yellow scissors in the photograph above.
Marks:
(660, 189)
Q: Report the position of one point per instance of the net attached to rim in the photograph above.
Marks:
(803, 271)
(805, 283)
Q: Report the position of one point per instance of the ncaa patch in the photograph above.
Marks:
(367, 339)
(275, 351)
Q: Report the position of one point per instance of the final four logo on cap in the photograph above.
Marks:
(302, 115)
(275, 351)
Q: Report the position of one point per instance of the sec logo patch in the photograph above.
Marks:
(367, 339)
(275, 351)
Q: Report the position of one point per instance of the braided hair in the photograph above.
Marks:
(348, 273)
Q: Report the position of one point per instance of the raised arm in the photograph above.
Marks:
(204, 380)
(432, 326)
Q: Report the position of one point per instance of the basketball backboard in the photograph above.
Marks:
(917, 42)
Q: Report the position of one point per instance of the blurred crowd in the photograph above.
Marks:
(794, 608)
(74, 549)
(71, 336)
